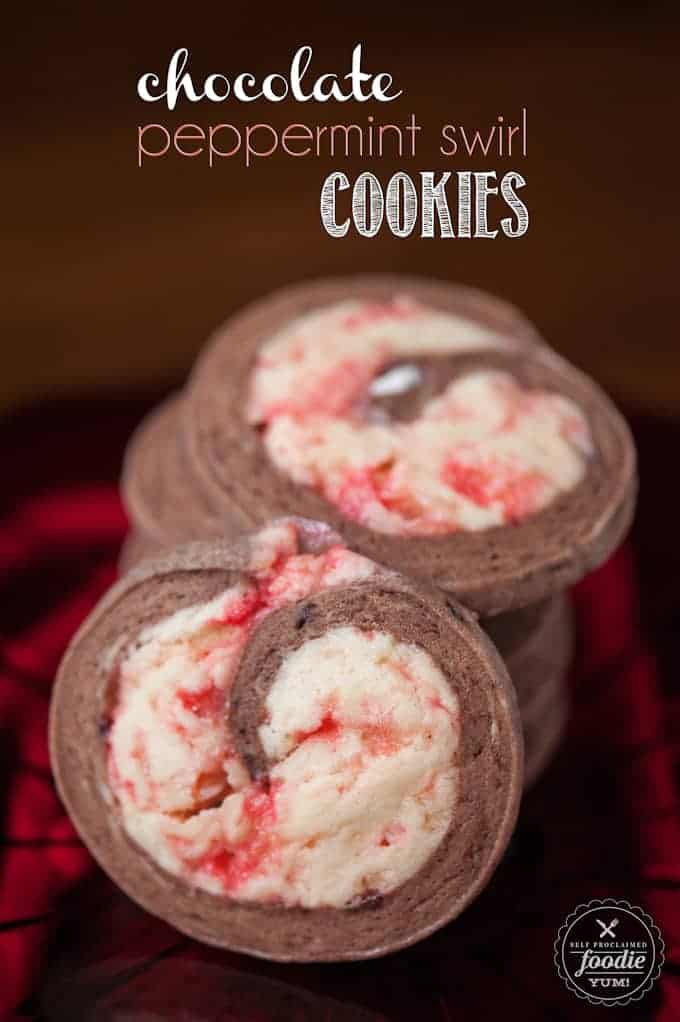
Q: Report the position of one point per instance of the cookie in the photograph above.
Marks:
(285, 749)
(428, 424)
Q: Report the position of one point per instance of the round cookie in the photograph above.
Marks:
(282, 748)
(236, 429)
(162, 494)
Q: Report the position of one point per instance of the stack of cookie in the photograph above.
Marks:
(432, 427)
(300, 724)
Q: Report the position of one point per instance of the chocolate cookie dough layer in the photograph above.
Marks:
(162, 495)
(491, 568)
(543, 726)
(284, 749)
(136, 547)
(536, 644)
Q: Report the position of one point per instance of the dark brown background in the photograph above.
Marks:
(115, 275)
(112, 277)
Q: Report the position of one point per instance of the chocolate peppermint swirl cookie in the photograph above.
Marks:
(426, 423)
(282, 748)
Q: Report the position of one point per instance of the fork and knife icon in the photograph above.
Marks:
(607, 929)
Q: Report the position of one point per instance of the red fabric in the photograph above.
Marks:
(604, 821)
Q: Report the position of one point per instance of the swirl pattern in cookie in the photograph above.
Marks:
(482, 451)
(252, 737)
(427, 423)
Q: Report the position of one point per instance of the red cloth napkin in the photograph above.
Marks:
(605, 820)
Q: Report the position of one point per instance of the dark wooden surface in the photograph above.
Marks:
(114, 275)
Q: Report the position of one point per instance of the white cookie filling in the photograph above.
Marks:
(483, 453)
